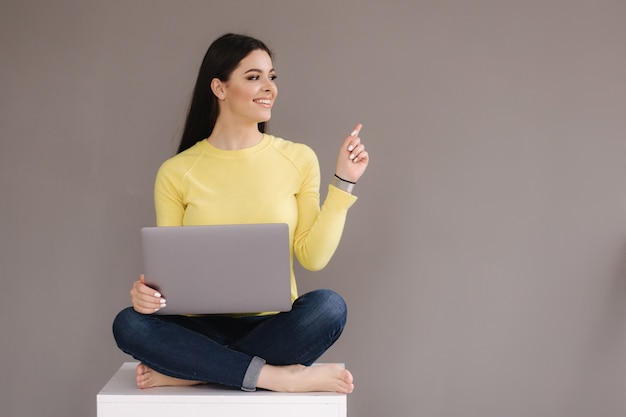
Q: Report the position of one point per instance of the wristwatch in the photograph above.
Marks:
(342, 184)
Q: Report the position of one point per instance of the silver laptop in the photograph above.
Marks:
(219, 269)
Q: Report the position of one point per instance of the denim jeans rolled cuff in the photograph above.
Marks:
(252, 374)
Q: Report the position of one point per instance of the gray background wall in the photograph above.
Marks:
(483, 263)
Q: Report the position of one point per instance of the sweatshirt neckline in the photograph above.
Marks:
(237, 153)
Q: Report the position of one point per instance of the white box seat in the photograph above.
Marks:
(120, 397)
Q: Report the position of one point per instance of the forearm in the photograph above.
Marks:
(315, 245)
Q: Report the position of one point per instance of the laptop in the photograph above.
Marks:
(219, 269)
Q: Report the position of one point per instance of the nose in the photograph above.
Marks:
(269, 85)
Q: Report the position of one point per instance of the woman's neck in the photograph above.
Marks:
(233, 137)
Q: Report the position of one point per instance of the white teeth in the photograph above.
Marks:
(263, 101)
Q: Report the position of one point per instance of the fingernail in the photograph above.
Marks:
(354, 132)
(157, 294)
(156, 309)
(163, 301)
(356, 160)
(350, 148)
(352, 156)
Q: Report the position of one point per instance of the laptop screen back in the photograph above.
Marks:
(219, 269)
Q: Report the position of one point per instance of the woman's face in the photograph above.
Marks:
(251, 90)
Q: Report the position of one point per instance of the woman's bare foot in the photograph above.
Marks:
(149, 378)
(300, 378)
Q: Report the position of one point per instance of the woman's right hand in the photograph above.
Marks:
(145, 299)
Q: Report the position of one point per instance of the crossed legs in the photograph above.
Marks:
(270, 352)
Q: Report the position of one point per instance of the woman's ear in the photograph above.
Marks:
(217, 86)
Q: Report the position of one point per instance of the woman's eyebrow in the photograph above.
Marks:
(258, 70)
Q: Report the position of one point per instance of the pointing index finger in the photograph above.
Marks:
(356, 130)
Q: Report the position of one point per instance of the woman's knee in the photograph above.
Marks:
(329, 304)
(127, 326)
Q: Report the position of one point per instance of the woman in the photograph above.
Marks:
(228, 170)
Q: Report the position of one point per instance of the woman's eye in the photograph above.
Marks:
(258, 77)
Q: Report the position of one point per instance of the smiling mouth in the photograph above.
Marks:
(264, 101)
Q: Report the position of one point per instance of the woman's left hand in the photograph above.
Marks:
(353, 157)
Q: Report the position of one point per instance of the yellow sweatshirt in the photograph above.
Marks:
(276, 181)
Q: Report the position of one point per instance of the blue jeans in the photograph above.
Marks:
(231, 351)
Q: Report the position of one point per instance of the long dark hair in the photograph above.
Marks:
(220, 60)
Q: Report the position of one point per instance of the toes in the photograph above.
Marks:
(142, 375)
(348, 377)
(141, 369)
